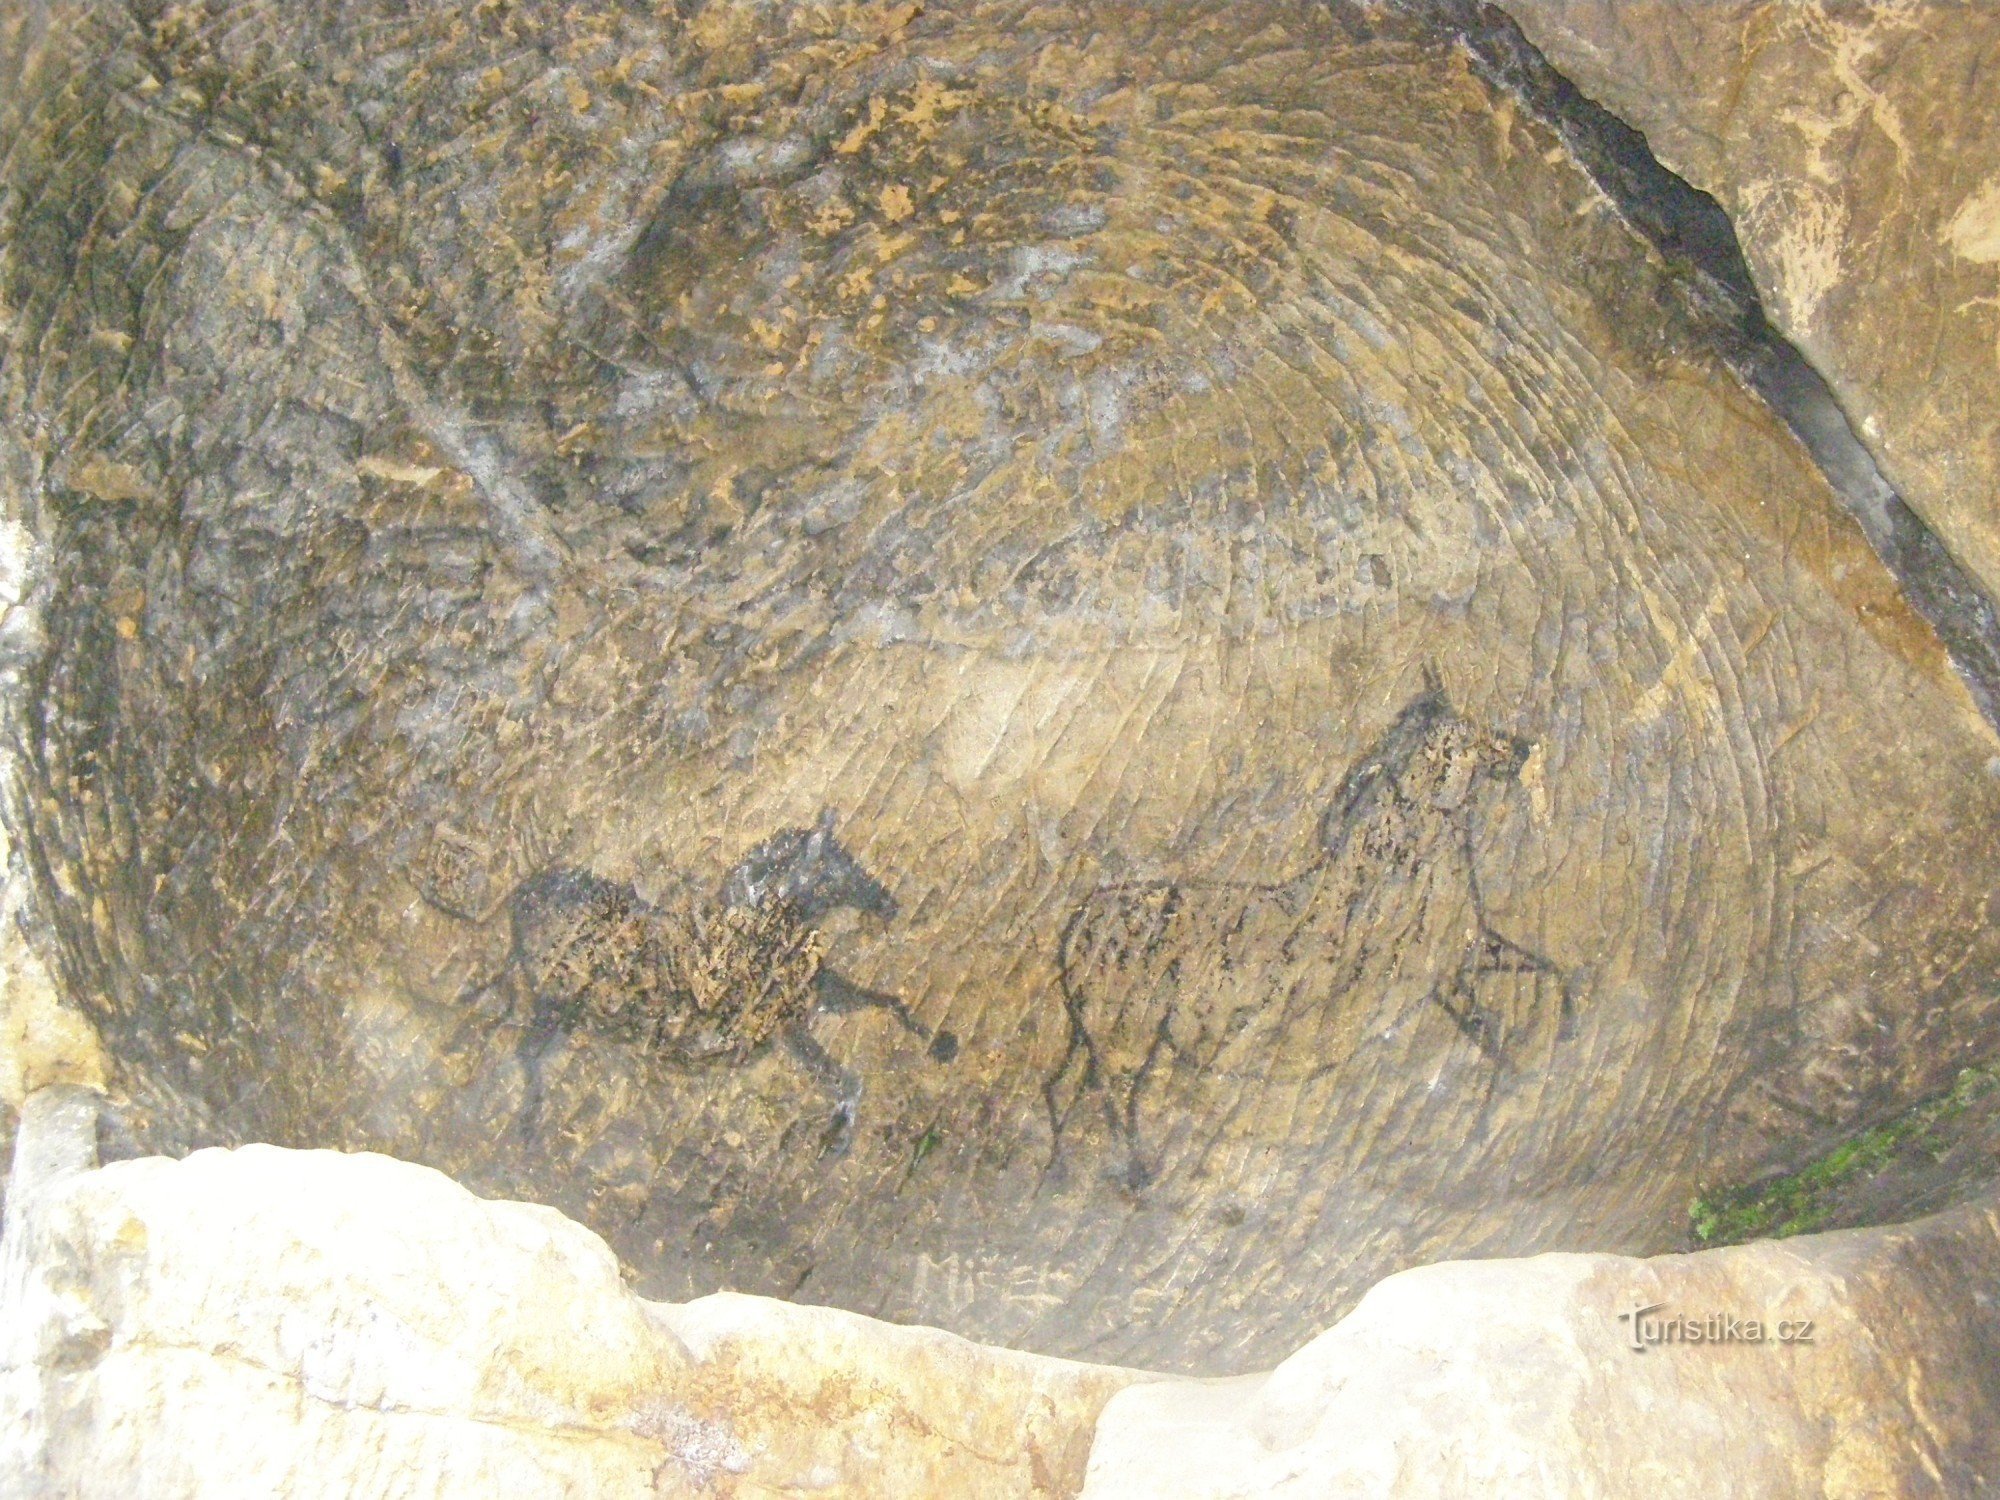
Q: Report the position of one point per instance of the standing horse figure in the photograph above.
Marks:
(698, 981)
(1294, 974)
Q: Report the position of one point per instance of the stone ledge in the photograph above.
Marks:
(1521, 1378)
(306, 1323)
(263, 1321)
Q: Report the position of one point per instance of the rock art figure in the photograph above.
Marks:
(698, 981)
(1296, 974)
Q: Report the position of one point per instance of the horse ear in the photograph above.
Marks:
(1433, 683)
(825, 823)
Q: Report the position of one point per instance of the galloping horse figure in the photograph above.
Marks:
(1386, 919)
(697, 981)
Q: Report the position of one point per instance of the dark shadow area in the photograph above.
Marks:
(1692, 231)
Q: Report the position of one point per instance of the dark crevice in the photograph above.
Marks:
(1693, 232)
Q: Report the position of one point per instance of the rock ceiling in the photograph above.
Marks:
(1085, 672)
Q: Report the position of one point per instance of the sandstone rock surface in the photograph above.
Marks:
(1857, 149)
(268, 1322)
(263, 1321)
(1524, 1378)
(1349, 737)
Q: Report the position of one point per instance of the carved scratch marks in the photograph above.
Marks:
(1293, 976)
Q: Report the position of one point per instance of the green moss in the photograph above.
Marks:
(1804, 1200)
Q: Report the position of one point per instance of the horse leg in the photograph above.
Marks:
(1058, 1114)
(831, 1076)
(468, 1018)
(1481, 1122)
(1124, 1114)
(1094, 1076)
(837, 995)
(1460, 1000)
(1565, 1010)
(1502, 955)
(551, 1019)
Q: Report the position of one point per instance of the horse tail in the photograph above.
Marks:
(457, 913)
(1076, 1000)
(1073, 932)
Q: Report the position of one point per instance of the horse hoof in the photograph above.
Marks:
(1134, 1177)
(944, 1046)
(839, 1133)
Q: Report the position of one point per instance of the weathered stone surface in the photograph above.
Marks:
(1350, 738)
(1857, 149)
(265, 1322)
(43, 1042)
(1524, 1378)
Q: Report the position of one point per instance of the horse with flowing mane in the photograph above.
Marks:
(1289, 977)
(695, 980)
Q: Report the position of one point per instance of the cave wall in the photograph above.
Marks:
(1855, 149)
(1075, 446)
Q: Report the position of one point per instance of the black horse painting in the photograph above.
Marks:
(1163, 974)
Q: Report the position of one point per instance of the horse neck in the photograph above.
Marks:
(1323, 888)
(1394, 834)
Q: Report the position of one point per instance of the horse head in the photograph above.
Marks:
(1431, 755)
(810, 872)
(1456, 756)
